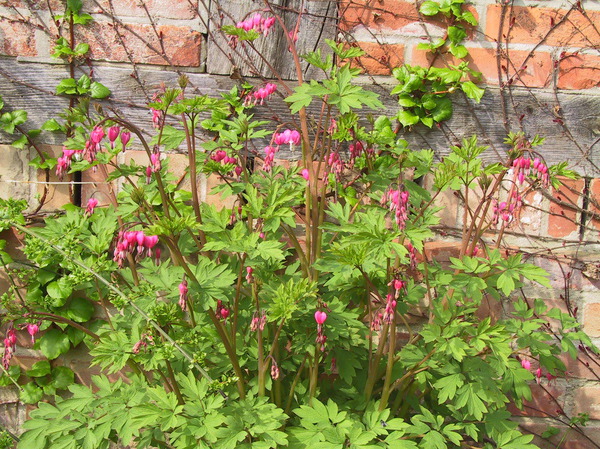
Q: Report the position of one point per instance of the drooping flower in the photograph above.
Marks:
(125, 136)
(305, 173)
(274, 370)
(526, 364)
(222, 312)
(320, 317)
(113, 133)
(91, 205)
(183, 295)
(32, 330)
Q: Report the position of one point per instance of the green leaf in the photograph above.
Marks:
(31, 393)
(456, 34)
(54, 343)
(74, 6)
(447, 386)
(443, 110)
(472, 91)
(59, 291)
(52, 125)
(429, 8)
(407, 118)
(39, 369)
(171, 138)
(62, 377)
(20, 142)
(79, 310)
(99, 91)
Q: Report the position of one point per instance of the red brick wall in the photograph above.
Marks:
(547, 45)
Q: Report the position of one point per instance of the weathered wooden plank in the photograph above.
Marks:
(317, 24)
(579, 111)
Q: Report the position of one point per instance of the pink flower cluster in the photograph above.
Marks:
(526, 364)
(290, 136)
(269, 157)
(63, 163)
(222, 157)
(183, 295)
(260, 95)
(134, 241)
(320, 318)
(258, 23)
(505, 210)
(222, 312)
(355, 150)
(10, 346)
(335, 164)
(258, 323)
(113, 133)
(92, 145)
(524, 167)
(397, 201)
(143, 343)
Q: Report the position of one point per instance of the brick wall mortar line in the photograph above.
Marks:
(195, 23)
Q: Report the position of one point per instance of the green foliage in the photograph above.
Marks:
(423, 94)
(271, 320)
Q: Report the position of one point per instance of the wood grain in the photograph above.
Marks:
(30, 85)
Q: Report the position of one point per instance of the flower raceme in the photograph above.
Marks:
(259, 96)
(258, 23)
(320, 318)
(133, 241)
(397, 201)
(290, 136)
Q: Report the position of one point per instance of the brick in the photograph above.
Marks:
(183, 9)
(393, 15)
(583, 367)
(587, 400)
(374, 14)
(181, 44)
(562, 220)
(531, 24)
(380, 59)
(177, 164)
(14, 166)
(57, 194)
(546, 400)
(442, 251)
(216, 199)
(591, 319)
(103, 191)
(579, 71)
(17, 39)
(56, 6)
(535, 72)
(14, 243)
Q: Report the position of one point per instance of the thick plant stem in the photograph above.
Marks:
(385, 395)
(374, 365)
(314, 374)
